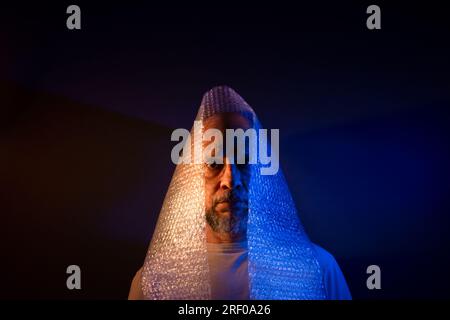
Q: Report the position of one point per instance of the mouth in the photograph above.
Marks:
(223, 205)
(226, 205)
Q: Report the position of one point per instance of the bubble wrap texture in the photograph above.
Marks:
(282, 262)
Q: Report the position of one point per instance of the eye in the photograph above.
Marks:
(212, 164)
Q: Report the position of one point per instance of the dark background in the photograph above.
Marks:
(86, 118)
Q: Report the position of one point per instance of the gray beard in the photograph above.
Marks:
(236, 224)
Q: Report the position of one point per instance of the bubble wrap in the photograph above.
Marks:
(282, 262)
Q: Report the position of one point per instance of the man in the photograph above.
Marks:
(226, 231)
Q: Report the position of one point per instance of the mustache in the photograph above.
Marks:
(230, 197)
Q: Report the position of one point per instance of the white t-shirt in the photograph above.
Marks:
(228, 263)
(228, 270)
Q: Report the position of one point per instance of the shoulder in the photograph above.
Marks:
(135, 290)
(325, 259)
(333, 278)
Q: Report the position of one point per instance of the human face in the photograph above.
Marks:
(226, 187)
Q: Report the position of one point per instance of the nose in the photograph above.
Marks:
(231, 177)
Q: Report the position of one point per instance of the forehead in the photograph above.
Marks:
(227, 120)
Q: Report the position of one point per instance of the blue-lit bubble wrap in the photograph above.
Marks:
(282, 262)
